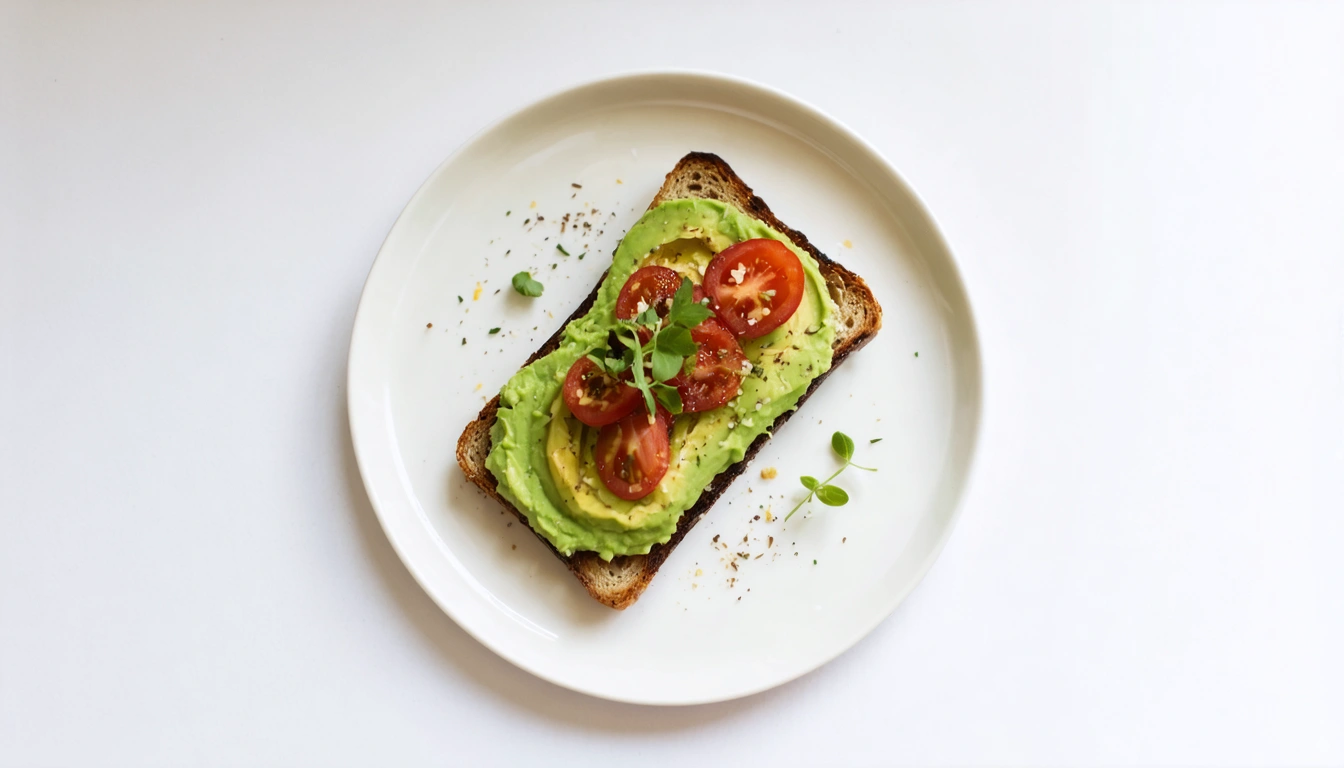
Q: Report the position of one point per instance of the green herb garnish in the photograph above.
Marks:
(524, 284)
(459, 299)
(666, 351)
(875, 440)
(493, 331)
(561, 249)
(831, 495)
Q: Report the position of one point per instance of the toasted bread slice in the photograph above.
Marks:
(698, 175)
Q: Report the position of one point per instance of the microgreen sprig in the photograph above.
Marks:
(831, 495)
(666, 351)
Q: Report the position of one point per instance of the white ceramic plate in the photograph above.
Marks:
(702, 631)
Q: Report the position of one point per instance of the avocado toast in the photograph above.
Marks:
(700, 192)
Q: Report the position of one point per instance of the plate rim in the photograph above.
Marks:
(976, 356)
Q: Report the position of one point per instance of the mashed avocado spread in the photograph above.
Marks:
(542, 456)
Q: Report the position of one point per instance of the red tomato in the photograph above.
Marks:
(654, 286)
(595, 397)
(632, 455)
(755, 286)
(719, 368)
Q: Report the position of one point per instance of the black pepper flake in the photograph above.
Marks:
(464, 341)
(716, 536)
(576, 186)
(527, 221)
(429, 325)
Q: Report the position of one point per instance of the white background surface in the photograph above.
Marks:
(1146, 203)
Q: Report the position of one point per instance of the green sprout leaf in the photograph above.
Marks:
(525, 285)
(675, 340)
(842, 445)
(810, 483)
(832, 496)
(665, 365)
(668, 397)
(685, 311)
(648, 318)
(617, 364)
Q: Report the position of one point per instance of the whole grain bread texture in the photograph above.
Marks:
(621, 581)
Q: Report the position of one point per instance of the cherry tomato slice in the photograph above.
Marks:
(755, 286)
(719, 368)
(632, 455)
(595, 397)
(653, 286)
